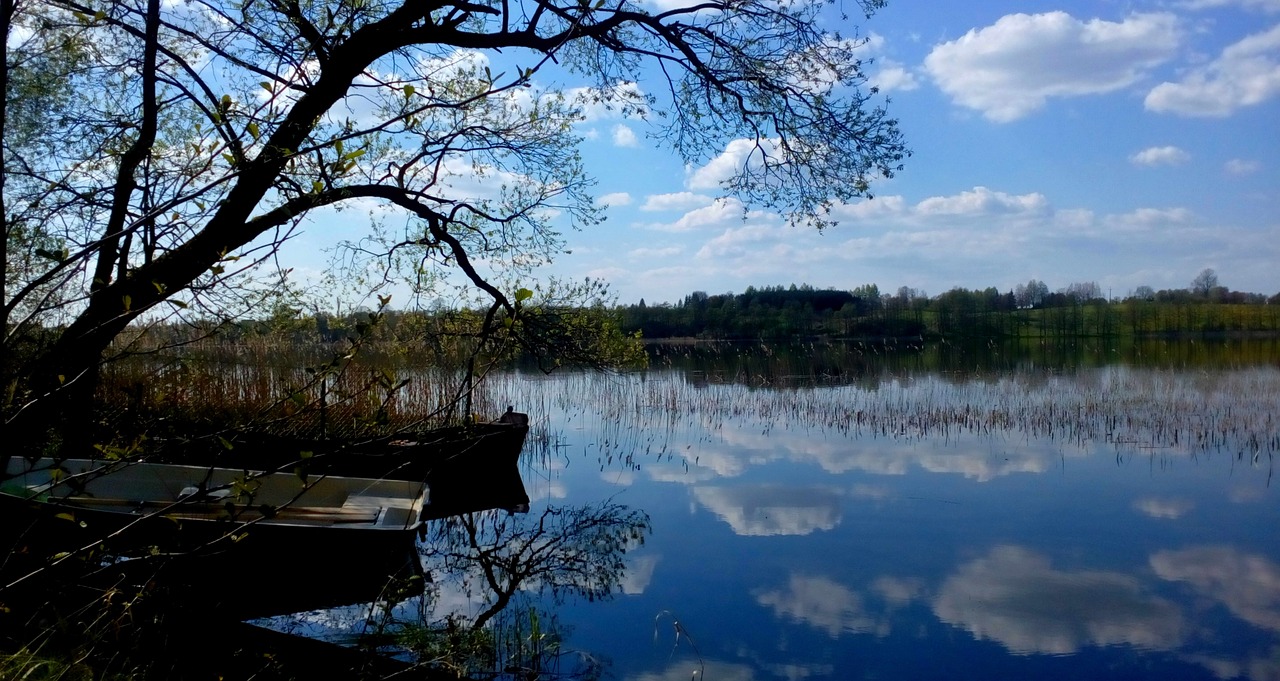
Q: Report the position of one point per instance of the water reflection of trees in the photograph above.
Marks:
(868, 364)
(510, 569)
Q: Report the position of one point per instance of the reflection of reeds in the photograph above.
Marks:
(1136, 410)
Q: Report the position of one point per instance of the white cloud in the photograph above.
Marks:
(871, 209)
(719, 213)
(1155, 156)
(893, 76)
(624, 99)
(1011, 68)
(735, 157)
(1240, 166)
(983, 201)
(614, 199)
(745, 242)
(624, 136)
(974, 238)
(1144, 219)
(1247, 73)
(676, 201)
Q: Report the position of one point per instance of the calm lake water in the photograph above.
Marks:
(855, 514)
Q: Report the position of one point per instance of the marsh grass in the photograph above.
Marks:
(192, 395)
(1136, 411)
(31, 666)
(1196, 400)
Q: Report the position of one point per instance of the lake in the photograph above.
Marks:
(746, 512)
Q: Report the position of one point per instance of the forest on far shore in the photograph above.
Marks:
(1029, 310)
(1205, 308)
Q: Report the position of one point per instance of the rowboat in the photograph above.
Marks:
(130, 490)
(449, 453)
(241, 543)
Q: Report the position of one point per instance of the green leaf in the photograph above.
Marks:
(523, 295)
(253, 129)
(45, 253)
(408, 91)
(128, 302)
(317, 187)
(266, 85)
(355, 154)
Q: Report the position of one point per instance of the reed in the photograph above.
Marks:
(1133, 410)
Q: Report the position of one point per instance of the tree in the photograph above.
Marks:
(1032, 294)
(195, 138)
(1083, 291)
(1144, 293)
(1204, 283)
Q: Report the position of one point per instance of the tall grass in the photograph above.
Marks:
(194, 394)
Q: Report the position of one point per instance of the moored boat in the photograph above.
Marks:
(240, 543)
(436, 454)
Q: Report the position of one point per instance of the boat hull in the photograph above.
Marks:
(236, 557)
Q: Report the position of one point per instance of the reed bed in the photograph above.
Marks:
(195, 395)
(1134, 410)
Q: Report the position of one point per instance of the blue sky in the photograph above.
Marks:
(1128, 143)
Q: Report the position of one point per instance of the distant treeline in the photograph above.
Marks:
(1029, 310)
(772, 313)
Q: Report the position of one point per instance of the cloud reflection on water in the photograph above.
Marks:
(771, 510)
(821, 603)
(639, 573)
(1017, 598)
(1247, 584)
(685, 669)
(1165, 509)
(738, 450)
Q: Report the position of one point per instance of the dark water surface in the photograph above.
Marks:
(1108, 519)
